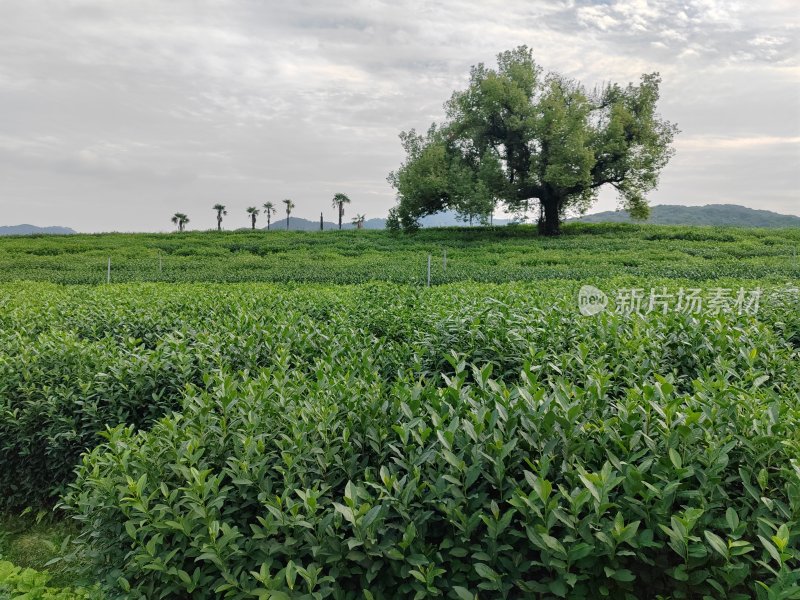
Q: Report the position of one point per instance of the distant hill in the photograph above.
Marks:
(449, 219)
(33, 229)
(661, 214)
(444, 219)
(710, 214)
(300, 224)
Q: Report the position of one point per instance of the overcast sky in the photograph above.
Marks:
(116, 114)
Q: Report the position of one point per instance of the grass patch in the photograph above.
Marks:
(32, 540)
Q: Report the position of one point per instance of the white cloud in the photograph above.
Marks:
(597, 16)
(703, 143)
(150, 107)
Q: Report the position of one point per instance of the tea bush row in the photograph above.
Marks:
(335, 483)
(74, 360)
(491, 254)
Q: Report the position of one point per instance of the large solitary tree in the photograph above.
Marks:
(522, 138)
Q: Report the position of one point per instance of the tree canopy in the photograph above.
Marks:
(517, 137)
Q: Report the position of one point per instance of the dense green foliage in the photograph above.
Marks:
(576, 454)
(383, 440)
(478, 254)
(335, 483)
(516, 136)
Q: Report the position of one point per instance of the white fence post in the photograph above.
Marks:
(429, 270)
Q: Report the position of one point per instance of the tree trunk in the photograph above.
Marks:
(550, 225)
(340, 216)
(268, 219)
(219, 224)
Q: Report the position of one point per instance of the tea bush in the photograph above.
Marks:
(338, 484)
(390, 441)
(60, 386)
(75, 360)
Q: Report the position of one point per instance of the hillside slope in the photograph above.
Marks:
(731, 215)
(26, 229)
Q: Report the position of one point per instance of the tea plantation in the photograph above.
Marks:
(298, 415)
(486, 254)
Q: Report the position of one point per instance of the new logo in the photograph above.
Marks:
(591, 301)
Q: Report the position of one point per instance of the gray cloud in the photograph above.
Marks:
(113, 115)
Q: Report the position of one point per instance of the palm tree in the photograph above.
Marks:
(180, 220)
(220, 208)
(358, 221)
(289, 206)
(269, 208)
(339, 200)
(253, 212)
